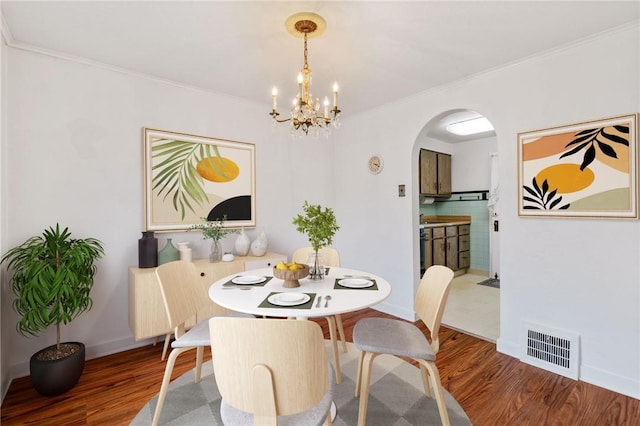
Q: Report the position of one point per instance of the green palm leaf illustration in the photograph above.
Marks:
(176, 176)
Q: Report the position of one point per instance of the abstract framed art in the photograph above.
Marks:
(583, 170)
(190, 177)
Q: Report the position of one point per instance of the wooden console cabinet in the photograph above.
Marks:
(147, 316)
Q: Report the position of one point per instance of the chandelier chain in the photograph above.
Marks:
(306, 64)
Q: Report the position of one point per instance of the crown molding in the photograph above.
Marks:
(11, 42)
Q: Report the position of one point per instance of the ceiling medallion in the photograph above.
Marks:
(306, 116)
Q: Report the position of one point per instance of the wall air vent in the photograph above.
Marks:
(551, 349)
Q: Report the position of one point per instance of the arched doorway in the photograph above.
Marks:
(471, 308)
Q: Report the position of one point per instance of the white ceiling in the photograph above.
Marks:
(379, 52)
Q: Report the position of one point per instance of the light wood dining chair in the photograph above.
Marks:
(330, 257)
(375, 336)
(271, 372)
(183, 296)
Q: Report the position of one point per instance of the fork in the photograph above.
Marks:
(326, 303)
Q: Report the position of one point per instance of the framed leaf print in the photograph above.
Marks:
(580, 170)
(189, 177)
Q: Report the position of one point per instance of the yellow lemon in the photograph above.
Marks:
(281, 266)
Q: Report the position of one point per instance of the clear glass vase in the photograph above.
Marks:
(316, 266)
(216, 252)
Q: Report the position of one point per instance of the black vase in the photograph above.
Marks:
(148, 250)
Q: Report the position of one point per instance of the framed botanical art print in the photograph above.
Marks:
(580, 170)
(189, 177)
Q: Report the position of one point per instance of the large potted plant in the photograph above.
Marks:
(52, 280)
(319, 224)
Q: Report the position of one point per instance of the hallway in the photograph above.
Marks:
(473, 309)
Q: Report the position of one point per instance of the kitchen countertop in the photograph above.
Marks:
(437, 224)
(436, 221)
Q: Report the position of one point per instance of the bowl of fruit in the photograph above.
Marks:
(290, 272)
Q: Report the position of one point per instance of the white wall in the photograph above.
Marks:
(4, 300)
(74, 134)
(575, 275)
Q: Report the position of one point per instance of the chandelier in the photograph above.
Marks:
(306, 113)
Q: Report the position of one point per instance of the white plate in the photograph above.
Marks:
(248, 279)
(355, 283)
(289, 299)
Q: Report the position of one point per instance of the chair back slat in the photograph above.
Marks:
(431, 299)
(292, 351)
(179, 288)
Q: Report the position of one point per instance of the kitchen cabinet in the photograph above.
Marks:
(147, 316)
(435, 173)
(464, 247)
(450, 246)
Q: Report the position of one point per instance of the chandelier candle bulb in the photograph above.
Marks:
(326, 106)
(274, 93)
(300, 87)
(335, 95)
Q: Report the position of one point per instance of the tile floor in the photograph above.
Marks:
(473, 309)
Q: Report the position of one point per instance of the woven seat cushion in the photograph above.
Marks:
(394, 337)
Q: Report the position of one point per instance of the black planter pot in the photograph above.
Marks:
(56, 377)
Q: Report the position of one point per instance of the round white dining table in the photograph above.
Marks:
(327, 297)
(334, 298)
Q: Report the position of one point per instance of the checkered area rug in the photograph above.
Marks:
(396, 397)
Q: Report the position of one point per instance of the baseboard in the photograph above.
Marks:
(5, 388)
(607, 380)
(21, 369)
(508, 348)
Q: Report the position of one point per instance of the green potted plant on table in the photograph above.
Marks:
(52, 278)
(319, 224)
(215, 231)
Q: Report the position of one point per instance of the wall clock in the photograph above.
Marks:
(375, 164)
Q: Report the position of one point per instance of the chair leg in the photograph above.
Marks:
(359, 374)
(199, 358)
(341, 332)
(334, 346)
(437, 389)
(364, 387)
(165, 382)
(165, 348)
(425, 380)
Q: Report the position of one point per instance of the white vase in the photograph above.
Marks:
(185, 251)
(242, 244)
(259, 245)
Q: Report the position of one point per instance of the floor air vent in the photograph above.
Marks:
(551, 349)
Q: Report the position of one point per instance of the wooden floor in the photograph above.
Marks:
(493, 389)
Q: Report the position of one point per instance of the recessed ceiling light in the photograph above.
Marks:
(470, 127)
